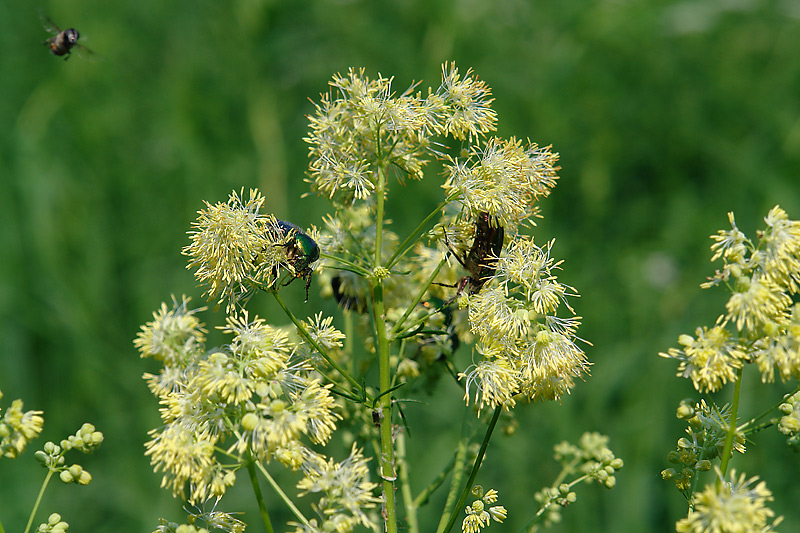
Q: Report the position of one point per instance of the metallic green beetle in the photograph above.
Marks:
(301, 251)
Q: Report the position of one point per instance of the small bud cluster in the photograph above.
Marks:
(51, 456)
(790, 421)
(54, 524)
(707, 431)
(590, 460)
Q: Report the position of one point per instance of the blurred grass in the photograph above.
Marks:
(667, 115)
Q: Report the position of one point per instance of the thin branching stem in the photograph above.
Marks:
(38, 500)
(414, 236)
(726, 453)
(283, 495)
(302, 330)
(475, 468)
(262, 508)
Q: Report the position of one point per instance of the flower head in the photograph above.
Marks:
(503, 178)
(18, 428)
(226, 244)
(481, 512)
(527, 349)
(173, 336)
(734, 505)
(346, 491)
(710, 358)
(462, 105)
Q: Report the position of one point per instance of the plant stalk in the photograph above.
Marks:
(262, 508)
(726, 453)
(475, 468)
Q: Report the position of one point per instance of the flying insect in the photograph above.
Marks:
(63, 41)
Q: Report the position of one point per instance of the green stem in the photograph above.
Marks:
(726, 453)
(289, 503)
(262, 509)
(416, 301)
(414, 235)
(750, 427)
(302, 330)
(475, 468)
(351, 267)
(388, 475)
(38, 500)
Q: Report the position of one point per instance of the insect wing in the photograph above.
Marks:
(487, 245)
(482, 257)
(48, 23)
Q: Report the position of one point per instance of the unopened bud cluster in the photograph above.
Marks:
(707, 429)
(51, 456)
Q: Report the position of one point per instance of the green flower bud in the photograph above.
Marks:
(249, 421)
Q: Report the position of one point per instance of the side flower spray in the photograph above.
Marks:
(759, 330)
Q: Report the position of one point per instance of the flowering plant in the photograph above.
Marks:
(760, 329)
(467, 274)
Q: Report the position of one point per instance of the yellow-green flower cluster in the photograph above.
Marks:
(763, 278)
(174, 336)
(18, 428)
(249, 399)
(735, 504)
(707, 431)
(482, 511)
(363, 123)
(345, 492)
(235, 249)
(710, 358)
(503, 178)
(526, 348)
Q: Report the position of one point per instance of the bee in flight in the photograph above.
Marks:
(62, 42)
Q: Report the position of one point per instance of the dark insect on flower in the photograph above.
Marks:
(346, 295)
(62, 42)
(301, 251)
(481, 259)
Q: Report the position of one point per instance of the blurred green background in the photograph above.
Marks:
(667, 115)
